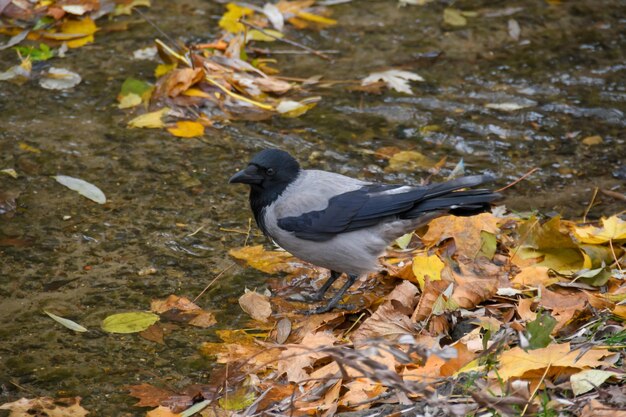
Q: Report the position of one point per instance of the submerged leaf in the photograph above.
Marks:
(83, 188)
(152, 120)
(186, 129)
(129, 322)
(256, 305)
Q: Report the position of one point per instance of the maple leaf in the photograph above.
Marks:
(613, 229)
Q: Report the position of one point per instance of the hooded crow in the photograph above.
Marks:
(341, 223)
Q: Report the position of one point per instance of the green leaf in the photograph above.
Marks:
(72, 325)
(129, 322)
(454, 17)
(539, 331)
(35, 54)
(404, 240)
(135, 86)
(44, 22)
(488, 244)
(237, 400)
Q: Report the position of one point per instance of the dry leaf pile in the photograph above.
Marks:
(490, 312)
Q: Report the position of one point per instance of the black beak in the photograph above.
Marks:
(250, 175)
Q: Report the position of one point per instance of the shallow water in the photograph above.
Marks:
(567, 67)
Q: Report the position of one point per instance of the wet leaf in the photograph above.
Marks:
(395, 79)
(149, 395)
(290, 108)
(408, 161)
(514, 29)
(72, 325)
(585, 381)
(593, 140)
(127, 7)
(427, 267)
(82, 187)
(186, 129)
(42, 53)
(162, 411)
(274, 15)
(82, 30)
(508, 106)
(152, 120)
(539, 331)
(612, 228)
(256, 305)
(268, 35)
(270, 262)
(18, 74)
(181, 309)
(52, 407)
(316, 18)
(129, 322)
(10, 172)
(59, 79)
(238, 400)
(230, 19)
(154, 334)
(454, 17)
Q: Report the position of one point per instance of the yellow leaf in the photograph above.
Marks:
(316, 18)
(186, 129)
(408, 161)
(26, 147)
(424, 266)
(518, 363)
(454, 17)
(85, 27)
(152, 120)
(130, 100)
(257, 35)
(194, 92)
(230, 19)
(612, 228)
(163, 69)
(127, 9)
(270, 262)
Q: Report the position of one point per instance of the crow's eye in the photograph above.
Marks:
(270, 171)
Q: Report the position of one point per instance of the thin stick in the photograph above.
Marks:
(593, 199)
(245, 242)
(237, 96)
(535, 390)
(288, 41)
(214, 279)
(518, 180)
(615, 256)
(266, 51)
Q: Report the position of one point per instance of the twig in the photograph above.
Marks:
(196, 231)
(237, 96)
(288, 41)
(266, 51)
(535, 390)
(615, 256)
(214, 279)
(593, 199)
(518, 180)
(245, 242)
(615, 195)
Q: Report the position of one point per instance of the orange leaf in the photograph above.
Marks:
(464, 230)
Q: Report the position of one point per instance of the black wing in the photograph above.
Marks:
(370, 204)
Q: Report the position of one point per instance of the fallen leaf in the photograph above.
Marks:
(230, 19)
(270, 262)
(238, 400)
(539, 331)
(149, 395)
(395, 79)
(454, 17)
(290, 108)
(585, 381)
(256, 305)
(593, 140)
(534, 276)
(46, 406)
(595, 408)
(518, 363)
(72, 325)
(133, 322)
(427, 266)
(10, 172)
(181, 309)
(161, 411)
(466, 232)
(410, 161)
(152, 120)
(186, 129)
(613, 229)
(296, 360)
(274, 15)
(83, 28)
(59, 79)
(392, 318)
(82, 187)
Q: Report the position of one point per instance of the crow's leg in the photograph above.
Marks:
(319, 295)
(335, 300)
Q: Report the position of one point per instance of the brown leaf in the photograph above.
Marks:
(563, 303)
(272, 85)
(295, 360)
(182, 310)
(46, 406)
(161, 411)
(283, 330)
(392, 318)
(464, 230)
(256, 305)
(153, 333)
(430, 295)
(177, 81)
(149, 395)
(595, 408)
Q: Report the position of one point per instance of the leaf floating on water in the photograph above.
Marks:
(186, 129)
(59, 79)
(395, 79)
(72, 325)
(81, 30)
(508, 106)
(290, 108)
(152, 120)
(133, 322)
(10, 172)
(82, 187)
